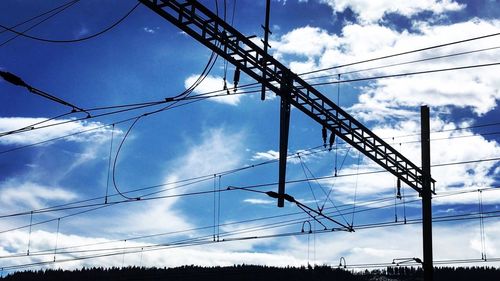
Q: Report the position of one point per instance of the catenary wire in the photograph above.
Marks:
(118, 122)
(406, 74)
(287, 222)
(272, 225)
(402, 63)
(197, 179)
(74, 40)
(187, 100)
(168, 196)
(198, 242)
(317, 84)
(64, 207)
(405, 53)
(60, 8)
(41, 15)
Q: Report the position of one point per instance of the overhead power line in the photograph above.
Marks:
(281, 223)
(69, 206)
(177, 184)
(56, 11)
(42, 14)
(73, 40)
(404, 53)
(17, 81)
(402, 63)
(206, 240)
(126, 108)
(406, 74)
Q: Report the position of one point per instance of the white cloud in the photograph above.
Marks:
(210, 255)
(35, 180)
(212, 155)
(451, 241)
(95, 132)
(83, 31)
(266, 156)
(305, 49)
(305, 155)
(150, 30)
(31, 195)
(373, 11)
(214, 83)
(305, 41)
(457, 240)
(449, 147)
(381, 99)
(256, 201)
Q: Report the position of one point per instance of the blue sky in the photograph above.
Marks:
(145, 58)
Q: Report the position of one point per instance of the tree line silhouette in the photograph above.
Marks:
(254, 272)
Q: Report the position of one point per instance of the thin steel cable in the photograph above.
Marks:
(481, 224)
(324, 192)
(195, 193)
(116, 160)
(395, 200)
(74, 40)
(57, 238)
(215, 209)
(109, 162)
(218, 208)
(395, 75)
(405, 53)
(60, 8)
(383, 224)
(355, 189)
(201, 242)
(29, 235)
(335, 176)
(308, 182)
(403, 63)
(40, 15)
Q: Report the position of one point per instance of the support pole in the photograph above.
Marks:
(267, 30)
(428, 265)
(284, 128)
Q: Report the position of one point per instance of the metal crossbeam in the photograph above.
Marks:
(206, 27)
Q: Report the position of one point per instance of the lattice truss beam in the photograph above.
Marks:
(206, 27)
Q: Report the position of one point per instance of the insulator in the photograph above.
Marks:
(225, 87)
(13, 79)
(236, 78)
(398, 185)
(332, 140)
(323, 132)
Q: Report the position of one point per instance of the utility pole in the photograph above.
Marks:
(426, 193)
(284, 129)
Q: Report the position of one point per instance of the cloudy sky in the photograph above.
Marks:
(61, 173)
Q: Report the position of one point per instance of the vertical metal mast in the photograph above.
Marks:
(426, 193)
(267, 31)
(284, 129)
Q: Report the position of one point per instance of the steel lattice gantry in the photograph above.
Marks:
(206, 27)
